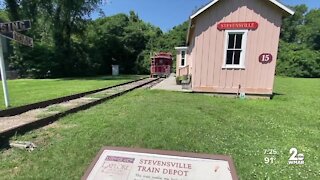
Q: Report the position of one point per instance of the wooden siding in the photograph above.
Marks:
(207, 48)
(183, 71)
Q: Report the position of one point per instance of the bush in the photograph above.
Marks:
(298, 61)
(178, 80)
(36, 62)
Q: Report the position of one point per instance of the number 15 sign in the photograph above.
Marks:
(265, 58)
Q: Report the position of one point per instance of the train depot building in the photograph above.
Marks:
(232, 47)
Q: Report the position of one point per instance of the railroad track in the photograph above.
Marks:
(150, 85)
(42, 104)
(25, 118)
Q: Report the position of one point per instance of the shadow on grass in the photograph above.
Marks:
(4, 143)
(276, 94)
(121, 77)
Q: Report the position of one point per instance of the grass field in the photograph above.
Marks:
(26, 91)
(182, 122)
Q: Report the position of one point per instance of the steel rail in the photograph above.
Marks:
(21, 129)
(22, 109)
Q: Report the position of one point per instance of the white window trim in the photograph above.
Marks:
(185, 58)
(181, 48)
(244, 49)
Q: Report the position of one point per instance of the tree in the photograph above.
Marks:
(300, 44)
(121, 39)
(68, 18)
(3, 16)
(311, 30)
(57, 25)
(292, 24)
(296, 60)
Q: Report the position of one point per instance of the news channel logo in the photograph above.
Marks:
(295, 157)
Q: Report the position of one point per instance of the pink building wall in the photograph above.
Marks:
(207, 48)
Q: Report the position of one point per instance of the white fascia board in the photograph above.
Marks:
(188, 33)
(203, 9)
(277, 3)
(288, 10)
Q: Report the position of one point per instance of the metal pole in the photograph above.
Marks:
(3, 77)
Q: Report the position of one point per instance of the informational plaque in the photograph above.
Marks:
(142, 164)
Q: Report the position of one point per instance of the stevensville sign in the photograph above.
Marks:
(142, 164)
(9, 30)
(237, 25)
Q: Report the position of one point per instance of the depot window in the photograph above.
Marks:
(183, 59)
(236, 41)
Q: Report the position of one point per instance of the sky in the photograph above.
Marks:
(169, 13)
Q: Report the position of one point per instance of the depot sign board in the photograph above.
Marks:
(237, 25)
(124, 163)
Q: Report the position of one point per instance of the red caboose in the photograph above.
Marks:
(161, 65)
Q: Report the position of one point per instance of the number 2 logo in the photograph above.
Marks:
(295, 156)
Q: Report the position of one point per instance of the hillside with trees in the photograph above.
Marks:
(299, 52)
(68, 43)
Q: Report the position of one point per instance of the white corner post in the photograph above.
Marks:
(4, 77)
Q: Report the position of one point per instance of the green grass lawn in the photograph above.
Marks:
(26, 91)
(182, 122)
